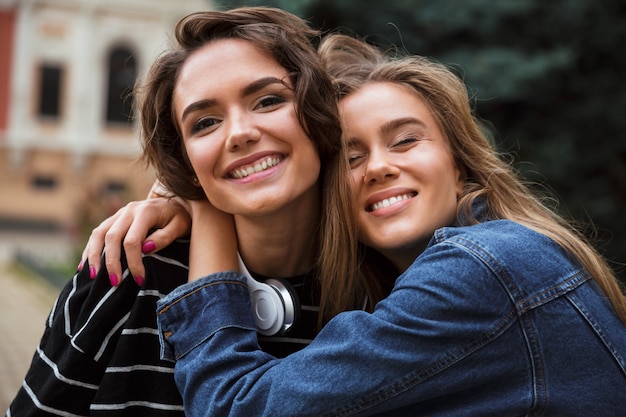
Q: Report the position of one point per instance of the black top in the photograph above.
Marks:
(304, 328)
(100, 352)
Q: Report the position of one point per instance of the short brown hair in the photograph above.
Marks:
(287, 38)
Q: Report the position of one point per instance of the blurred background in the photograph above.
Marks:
(545, 76)
(68, 136)
(68, 145)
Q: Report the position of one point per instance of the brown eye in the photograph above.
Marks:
(406, 141)
(354, 159)
(270, 101)
(203, 124)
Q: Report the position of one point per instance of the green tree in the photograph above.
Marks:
(546, 75)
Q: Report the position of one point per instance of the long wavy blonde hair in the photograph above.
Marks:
(353, 63)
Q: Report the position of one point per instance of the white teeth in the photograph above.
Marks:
(389, 201)
(258, 167)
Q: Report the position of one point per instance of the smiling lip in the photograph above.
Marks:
(388, 198)
(254, 164)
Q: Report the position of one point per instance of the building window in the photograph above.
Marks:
(115, 187)
(50, 91)
(122, 74)
(44, 182)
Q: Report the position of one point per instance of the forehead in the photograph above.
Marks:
(227, 50)
(221, 65)
(375, 104)
(382, 92)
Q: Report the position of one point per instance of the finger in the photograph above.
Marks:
(178, 227)
(134, 243)
(83, 258)
(113, 242)
(95, 246)
(170, 221)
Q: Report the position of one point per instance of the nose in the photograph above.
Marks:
(241, 131)
(379, 168)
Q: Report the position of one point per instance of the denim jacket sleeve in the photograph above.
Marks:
(192, 313)
(402, 353)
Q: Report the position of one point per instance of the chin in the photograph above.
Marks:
(401, 245)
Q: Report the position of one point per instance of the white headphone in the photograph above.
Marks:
(273, 303)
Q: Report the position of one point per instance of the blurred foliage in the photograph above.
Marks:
(546, 75)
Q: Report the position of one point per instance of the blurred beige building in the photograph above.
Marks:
(68, 143)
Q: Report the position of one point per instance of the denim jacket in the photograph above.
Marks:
(490, 320)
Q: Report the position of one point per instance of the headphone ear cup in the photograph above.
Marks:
(291, 302)
(267, 308)
(275, 305)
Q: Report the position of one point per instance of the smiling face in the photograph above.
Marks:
(235, 108)
(404, 177)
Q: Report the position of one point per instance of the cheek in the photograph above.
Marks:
(202, 158)
(355, 180)
(308, 160)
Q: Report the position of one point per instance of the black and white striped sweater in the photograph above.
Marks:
(99, 355)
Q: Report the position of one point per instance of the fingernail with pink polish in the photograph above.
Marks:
(148, 246)
(92, 272)
(113, 279)
(139, 280)
(80, 265)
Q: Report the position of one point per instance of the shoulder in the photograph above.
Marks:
(499, 239)
(516, 255)
(490, 232)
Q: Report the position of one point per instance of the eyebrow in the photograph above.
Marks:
(261, 83)
(389, 127)
(251, 88)
(198, 105)
(396, 123)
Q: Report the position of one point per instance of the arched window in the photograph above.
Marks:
(122, 74)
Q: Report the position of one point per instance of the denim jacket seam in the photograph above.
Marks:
(415, 378)
(179, 355)
(538, 368)
(506, 280)
(548, 294)
(588, 317)
(493, 264)
(166, 307)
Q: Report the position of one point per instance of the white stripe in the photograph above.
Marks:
(66, 308)
(150, 293)
(109, 335)
(146, 404)
(45, 408)
(52, 310)
(133, 368)
(142, 330)
(60, 376)
(167, 260)
(93, 312)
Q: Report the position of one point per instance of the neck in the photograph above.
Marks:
(403, 257)
(282, 243)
